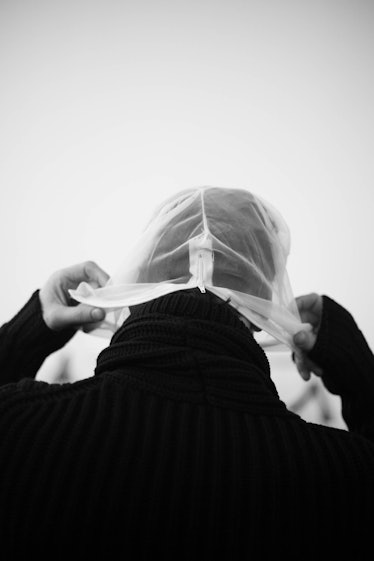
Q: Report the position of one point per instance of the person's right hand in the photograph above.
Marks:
(310, 310)
(59, 310)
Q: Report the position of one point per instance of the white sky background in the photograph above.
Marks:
(107, 107)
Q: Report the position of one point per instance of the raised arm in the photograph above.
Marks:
(337, 351)
(46, 322)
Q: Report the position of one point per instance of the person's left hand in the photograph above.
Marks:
(59, 310)
(310, 309)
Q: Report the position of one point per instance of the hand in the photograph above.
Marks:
(58, 309)
(310, 310)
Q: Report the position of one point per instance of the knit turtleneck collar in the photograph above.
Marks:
(191, 342)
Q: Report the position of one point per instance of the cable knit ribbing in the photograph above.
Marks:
(178, 447)
(27, 331)
(183, 341)
(348, 365)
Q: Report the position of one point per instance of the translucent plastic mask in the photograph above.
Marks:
(225, 241)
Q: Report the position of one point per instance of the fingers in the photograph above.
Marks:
(95, 273)
(59, 311)
(310, 308)
(302, 367)
(76, 316)
(307, 300)
(306, 367)
(87, 271)
(305, 340)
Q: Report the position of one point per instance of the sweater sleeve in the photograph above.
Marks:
(348, 365)
(26, 341)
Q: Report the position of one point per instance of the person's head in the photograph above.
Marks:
(231, 223)
(224, 241)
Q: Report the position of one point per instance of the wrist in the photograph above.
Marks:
(28, 341)
(342, 351)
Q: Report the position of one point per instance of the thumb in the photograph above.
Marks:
(77, 316)
(304, 340)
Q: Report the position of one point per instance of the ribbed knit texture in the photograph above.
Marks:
(179, 447)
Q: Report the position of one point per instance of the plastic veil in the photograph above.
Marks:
(226, 241)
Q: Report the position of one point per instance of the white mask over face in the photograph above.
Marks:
(226, 241)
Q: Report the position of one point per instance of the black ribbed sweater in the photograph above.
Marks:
(179, 446)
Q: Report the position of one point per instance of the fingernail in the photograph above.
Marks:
(305, 375)
(97, 314)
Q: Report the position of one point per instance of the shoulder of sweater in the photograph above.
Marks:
(28, 323)
(33, 392)
(349, 443)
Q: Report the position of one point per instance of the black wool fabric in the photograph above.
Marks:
(178, 446)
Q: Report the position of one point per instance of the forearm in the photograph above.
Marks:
(348, 365)
(26, 341)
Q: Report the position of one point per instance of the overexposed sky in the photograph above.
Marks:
(107, 107)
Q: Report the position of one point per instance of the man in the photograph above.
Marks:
(179, 446)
